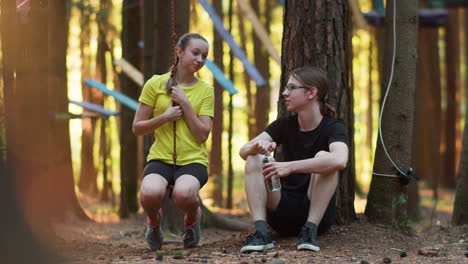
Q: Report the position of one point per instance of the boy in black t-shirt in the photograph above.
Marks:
(314, 150)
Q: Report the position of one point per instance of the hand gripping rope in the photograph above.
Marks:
(404, 177)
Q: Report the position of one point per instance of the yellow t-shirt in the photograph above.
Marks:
(201, 97)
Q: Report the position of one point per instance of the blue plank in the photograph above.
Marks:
(122, 98)
(95, 108)
(220, 77)
(236, 50)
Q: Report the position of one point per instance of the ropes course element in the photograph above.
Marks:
(236, 50)
(404, 177)
(174, 77)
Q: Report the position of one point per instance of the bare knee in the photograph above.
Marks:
(253, 164)
(152, 190)
(185, 194)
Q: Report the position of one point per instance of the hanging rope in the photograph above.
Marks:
(174, 79)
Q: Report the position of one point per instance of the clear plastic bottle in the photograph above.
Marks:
(274, 184)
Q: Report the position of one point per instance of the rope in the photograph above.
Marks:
(385, 99)
(174, 81)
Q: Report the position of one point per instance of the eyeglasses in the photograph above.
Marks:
(290, 86)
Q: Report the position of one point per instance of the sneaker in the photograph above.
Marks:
(154, 235)
(308, 239)
(191, 234)
(257, 241)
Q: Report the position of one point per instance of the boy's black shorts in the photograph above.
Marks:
(292, 213)
(167, 171)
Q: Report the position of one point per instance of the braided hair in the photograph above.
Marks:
(181, 44)
(315, 77)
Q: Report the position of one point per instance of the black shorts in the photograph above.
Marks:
(292, 213)
(167, 171)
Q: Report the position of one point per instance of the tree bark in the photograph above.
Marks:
(131, 35)
(387, 199)
(460, 207)
(317, 33)
(216, 155)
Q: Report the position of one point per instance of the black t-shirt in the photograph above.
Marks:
(299, 145)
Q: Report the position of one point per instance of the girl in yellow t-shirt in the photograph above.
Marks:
(177, 96)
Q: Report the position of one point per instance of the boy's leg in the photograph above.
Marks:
(321, 190)
(259, 199)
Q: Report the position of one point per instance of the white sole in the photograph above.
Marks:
(256, 248)
(308, 247)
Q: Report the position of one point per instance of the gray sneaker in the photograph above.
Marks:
(154, 235)
(191, 235)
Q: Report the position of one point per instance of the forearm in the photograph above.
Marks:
(247, 149)
(144, 127)
(199, 129)
(321, 164)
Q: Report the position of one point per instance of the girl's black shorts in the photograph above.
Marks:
(168, 172)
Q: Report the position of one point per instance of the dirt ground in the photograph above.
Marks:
(360, 242)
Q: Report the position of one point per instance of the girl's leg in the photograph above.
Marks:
(153, 188)
(185, 195)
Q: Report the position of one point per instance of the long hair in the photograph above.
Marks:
(181, 44)
(315, 77)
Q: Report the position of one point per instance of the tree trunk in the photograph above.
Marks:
(131, 29)
(427, 112)
(216, 155)
(262, 58)
(88, 170)
(460, 207)
(247, 82)
(230, 174)
(317, 33)
(453, 86)
(387, 199)
(60, 169)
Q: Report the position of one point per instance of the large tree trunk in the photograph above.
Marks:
(131, 29)
(60, 169)
(262, 95)
(216, 155)
(317, 33)
(452, 114)
(387, 199)
(460, 207)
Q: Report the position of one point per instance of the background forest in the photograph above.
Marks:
(71, 72)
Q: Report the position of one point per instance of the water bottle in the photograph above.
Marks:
(274, 184)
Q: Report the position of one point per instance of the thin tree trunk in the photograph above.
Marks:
(131, 29)
(216, 155)
(453, 99)
(460, 207)
(250, 102)
(317, 33)
(262, 95)
(88, 170)
(230, 175)
(387, 199)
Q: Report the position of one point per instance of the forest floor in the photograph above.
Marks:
(433, 240)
